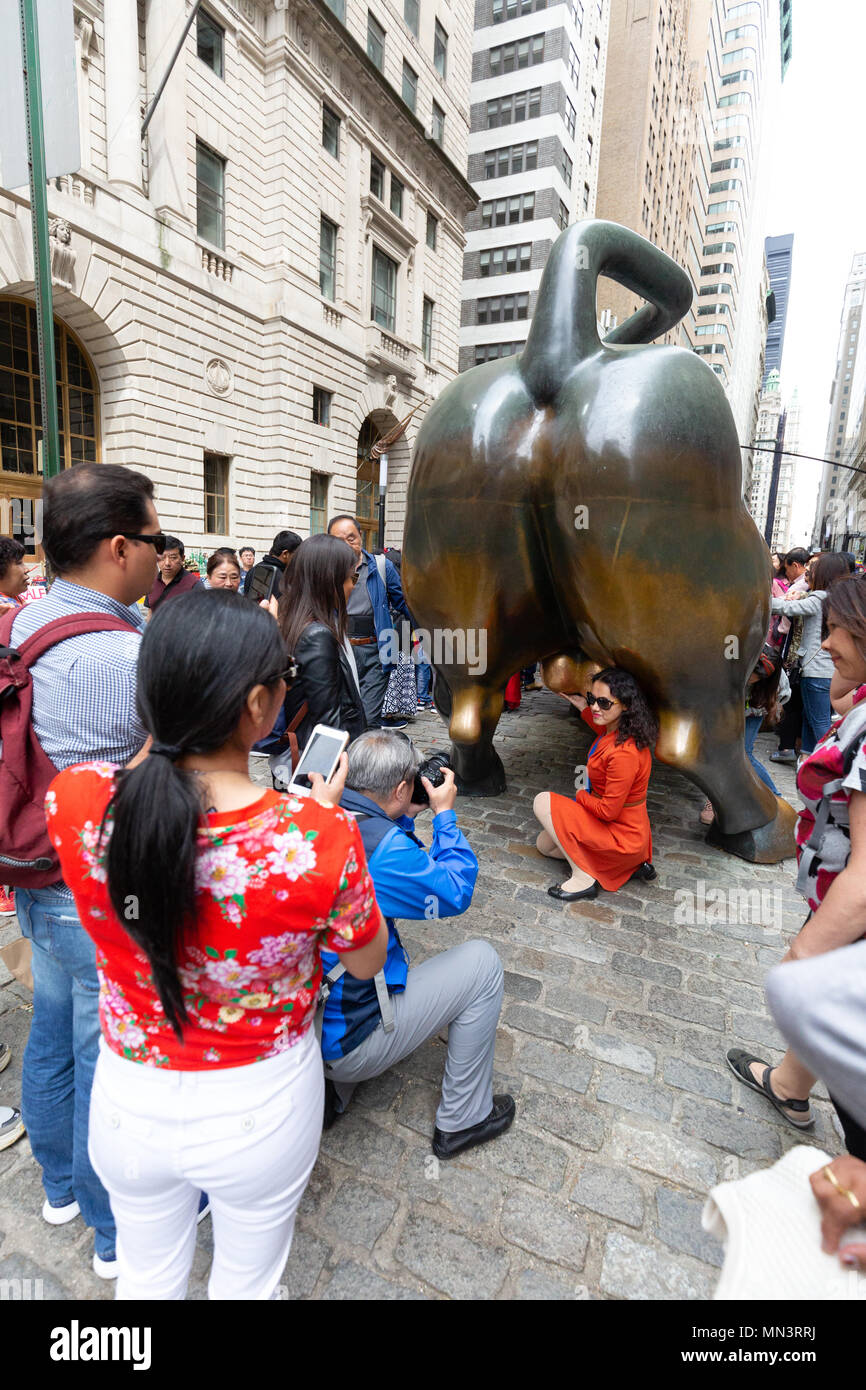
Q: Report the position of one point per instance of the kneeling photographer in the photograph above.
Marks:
(370, 1025)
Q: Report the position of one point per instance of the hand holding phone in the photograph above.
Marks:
(329, 793)
(321, 756)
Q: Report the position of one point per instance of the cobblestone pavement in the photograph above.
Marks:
(612, 1038)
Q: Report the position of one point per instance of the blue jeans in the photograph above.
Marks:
(753, 724)
(424, 681)
(816, 711)
(60, 1057)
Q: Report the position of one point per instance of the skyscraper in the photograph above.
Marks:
(779, 251)
(538, 76)
(838, 515)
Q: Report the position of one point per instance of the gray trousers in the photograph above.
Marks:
(820, 1006)
(373, 680)
(460, 989)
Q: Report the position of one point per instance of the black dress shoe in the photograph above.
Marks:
(645, 871)
(590, 892)
(497, 1122)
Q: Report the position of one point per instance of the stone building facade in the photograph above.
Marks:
(247, 299)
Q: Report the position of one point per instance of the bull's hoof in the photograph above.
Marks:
(765, 844)
(490, 783)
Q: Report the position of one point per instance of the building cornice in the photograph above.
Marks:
(347, 47)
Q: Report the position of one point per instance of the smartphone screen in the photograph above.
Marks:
(321, 754)
(262, 581)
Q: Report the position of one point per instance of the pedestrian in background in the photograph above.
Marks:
(223, 570)
(816, 667)
(173, 579)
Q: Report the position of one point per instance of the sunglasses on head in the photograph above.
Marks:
(600, 700)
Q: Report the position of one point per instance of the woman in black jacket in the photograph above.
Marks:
(312, 619)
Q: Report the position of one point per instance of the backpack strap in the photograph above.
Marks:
(47, 636)
(850, 742)
(289, 734)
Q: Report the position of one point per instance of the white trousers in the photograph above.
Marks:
(247, 1136)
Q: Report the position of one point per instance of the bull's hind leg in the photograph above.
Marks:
(750, 821)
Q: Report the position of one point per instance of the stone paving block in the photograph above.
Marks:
(450, 1262)
(559, 944)
(537, 1286)
(729, 1131)
(609, 1192)
(427, 1062)
(657, 928)
(568, 1119)
(521, 987)
(679, 1225)
(538, 1023)
(605, 1047)
(633, 1270)
(689, 1007)
(735, 992)
(638, 1096)
(707, 1046)
(305, 1263)
(474, 1196)
(34, 1283)
(364, 1146)
(359, 1213)
(715, 1085)
(753, 1028)
(645, 1026)
(543, 1227)
(352, 1281)
(616, 936)
(379, 1093)
(580, 1006)
(417, 1108)
(664, 1154)
(316, 1194)
(522, 1155)
(552, 1063)
(647, 969)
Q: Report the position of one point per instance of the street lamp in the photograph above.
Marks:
(383, 484)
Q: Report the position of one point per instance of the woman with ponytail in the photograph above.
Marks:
(208, 900)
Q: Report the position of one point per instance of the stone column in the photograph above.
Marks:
(122, 92)
(166, 134)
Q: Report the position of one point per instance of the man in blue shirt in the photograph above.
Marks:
(369, 1025)
(369, 613)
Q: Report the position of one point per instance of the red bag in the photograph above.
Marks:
(27, 857)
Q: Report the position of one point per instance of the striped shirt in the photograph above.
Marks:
(84, 688)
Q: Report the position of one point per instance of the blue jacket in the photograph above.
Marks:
(410, 883)
(384, 597)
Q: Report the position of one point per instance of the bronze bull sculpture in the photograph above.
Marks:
(583, 502)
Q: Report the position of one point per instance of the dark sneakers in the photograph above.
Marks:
(497, 1122)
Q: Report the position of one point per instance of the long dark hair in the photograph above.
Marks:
(637, 720)
(827, 571)
(764, 694)
(200, 657)
(313, 588)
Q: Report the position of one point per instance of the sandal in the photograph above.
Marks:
(740, 1062)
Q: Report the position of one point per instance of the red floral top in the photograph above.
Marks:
(274, 881)
(825, 765)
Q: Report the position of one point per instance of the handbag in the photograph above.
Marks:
(401, 695)
(284, 762)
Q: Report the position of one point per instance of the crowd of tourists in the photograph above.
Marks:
(216, 966)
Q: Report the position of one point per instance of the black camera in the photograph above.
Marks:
(432, 770)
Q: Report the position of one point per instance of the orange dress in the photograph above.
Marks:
(606, 831)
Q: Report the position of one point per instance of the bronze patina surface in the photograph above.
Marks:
(583, 501)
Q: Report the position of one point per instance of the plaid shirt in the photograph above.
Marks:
(84, 688)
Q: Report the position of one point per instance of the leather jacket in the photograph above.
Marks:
(326, 682)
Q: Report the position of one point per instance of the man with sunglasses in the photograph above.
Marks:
(172, 579)
(101, 536)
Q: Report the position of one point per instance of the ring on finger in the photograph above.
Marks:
(843, 1191)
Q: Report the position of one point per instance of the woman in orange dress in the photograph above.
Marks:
(604, 833)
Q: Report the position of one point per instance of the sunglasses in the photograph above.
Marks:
(157, 540)
(600, 700)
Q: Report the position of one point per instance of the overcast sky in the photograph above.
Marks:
(819, 194)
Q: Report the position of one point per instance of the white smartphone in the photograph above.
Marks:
(321, 754)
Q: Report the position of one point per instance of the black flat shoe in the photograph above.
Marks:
(497, 1122)
(590, 892)
(332, 1114)
(645, 871)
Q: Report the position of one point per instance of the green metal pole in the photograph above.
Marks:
(41, 245)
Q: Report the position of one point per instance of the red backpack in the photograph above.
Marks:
(27, 856)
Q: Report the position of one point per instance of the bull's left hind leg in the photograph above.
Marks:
(751, 821)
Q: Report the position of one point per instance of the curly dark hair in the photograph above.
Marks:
(637, 720)
(10, 551)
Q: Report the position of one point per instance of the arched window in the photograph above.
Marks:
(20, 410)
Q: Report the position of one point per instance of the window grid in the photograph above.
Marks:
(377, 178)
(216, 494)
(210, 43)
(396, 200)
(327, 258)
(440, 49)
(20, 404)
(410, 86)
(432, 229)
(438, 124)
(210, 195)
(521, 53)
(375, 42)
(331, 131)
(503, 212)
(411, 14)
(490, 352)
(503, 308)
(520, 106)
(321, 405)
(427, 330)
(318, 503)
(511, 159)
(383, 306)
(505, 260)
